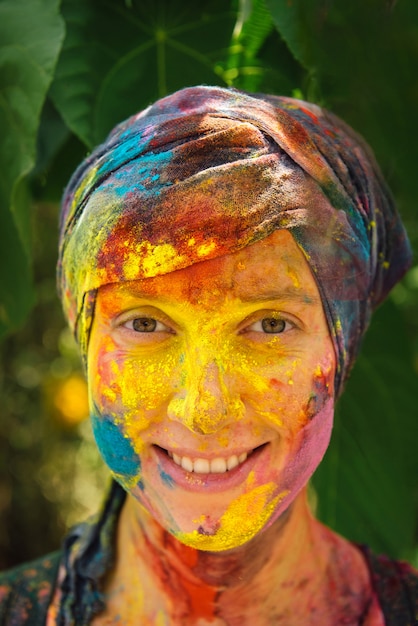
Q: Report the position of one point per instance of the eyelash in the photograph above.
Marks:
(278, 325)
(274, 330)
(144, 319)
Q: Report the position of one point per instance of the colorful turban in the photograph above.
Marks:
(207, 171)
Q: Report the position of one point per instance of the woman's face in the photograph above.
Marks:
(211, 390)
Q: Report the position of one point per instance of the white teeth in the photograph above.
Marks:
(204, 466)
(187, 464)
(201, 466)
(218, 466)
(232, 462)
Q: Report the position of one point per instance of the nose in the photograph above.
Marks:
(206, 403)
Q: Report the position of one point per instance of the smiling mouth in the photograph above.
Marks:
(218, 465)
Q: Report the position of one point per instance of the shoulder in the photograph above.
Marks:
(396, 586)
(25, 591)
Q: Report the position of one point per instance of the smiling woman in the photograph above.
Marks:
(220, 257)
(233, 410)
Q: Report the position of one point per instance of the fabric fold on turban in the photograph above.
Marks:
(207, 171)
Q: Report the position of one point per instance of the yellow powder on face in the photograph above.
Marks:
(144, 382)
(109, 394)
(134, 423)
(127, 483)
(245, 517)
(224, 439)
(160, 619)
(115, 369)
(294, 277)
(318, 370)
(270, 416)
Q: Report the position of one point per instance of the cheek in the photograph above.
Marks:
(286, 391)
(116, 450)
(127, 396)
(274, 388)
(129, 385)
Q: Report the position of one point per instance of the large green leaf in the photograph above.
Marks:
(366, 483)
(362, 59)
(31, 33)
(118, 58)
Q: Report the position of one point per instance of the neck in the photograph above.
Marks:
(286, 568)
(241, 565)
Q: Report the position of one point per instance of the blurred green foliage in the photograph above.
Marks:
(69, 71)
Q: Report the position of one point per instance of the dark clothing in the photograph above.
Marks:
(26, 592)
(88, 553)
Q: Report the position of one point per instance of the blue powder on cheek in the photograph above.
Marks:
(116, 450)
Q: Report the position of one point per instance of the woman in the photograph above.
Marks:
(220, 256)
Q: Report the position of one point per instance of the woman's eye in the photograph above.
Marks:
(270, 325)
(146, 325)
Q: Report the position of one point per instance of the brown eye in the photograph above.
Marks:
(273, 325)
(144, 324)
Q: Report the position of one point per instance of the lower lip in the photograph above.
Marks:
(208, 483)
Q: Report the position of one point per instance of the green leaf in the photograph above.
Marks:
(31, 33)
(253, 26)
(247, 66)
(366, 484)
(294, 21)
(117, 59)
(361, 59)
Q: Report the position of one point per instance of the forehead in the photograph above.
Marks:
(270, 269)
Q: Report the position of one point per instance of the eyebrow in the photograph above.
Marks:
(282, 294)
(289, 293)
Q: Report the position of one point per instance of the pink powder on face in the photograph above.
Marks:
(311, 444)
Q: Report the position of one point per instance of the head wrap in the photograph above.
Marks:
(207, 171)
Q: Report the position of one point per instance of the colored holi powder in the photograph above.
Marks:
(109, 393)
(201, 599)
(166, 478)
(272, 417)
(115, 448)
(85, 184)
(244, 518)
(276, 384)
(160, 619)
(206, 248)
(294, 277)
(159, 259)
